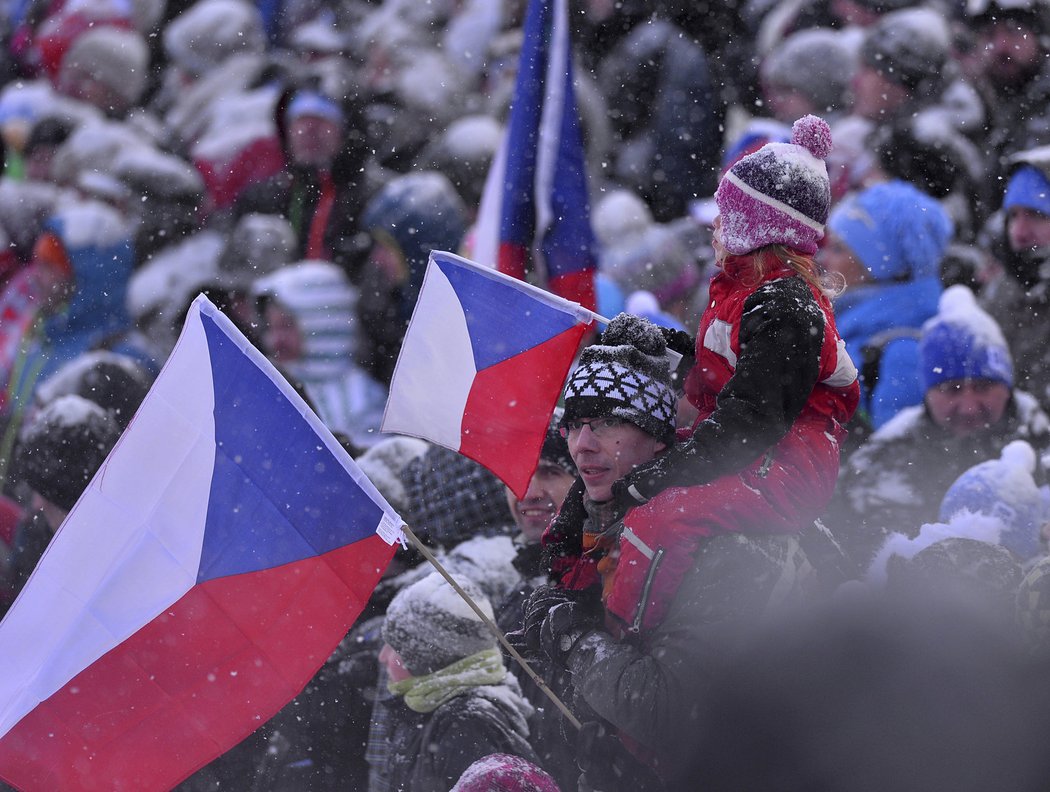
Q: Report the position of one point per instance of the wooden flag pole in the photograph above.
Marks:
(422, 548)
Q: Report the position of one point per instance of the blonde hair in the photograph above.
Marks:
(764, 259)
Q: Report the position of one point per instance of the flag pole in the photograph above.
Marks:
(429, 556)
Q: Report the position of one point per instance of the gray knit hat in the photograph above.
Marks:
(430, 626)
(625, 375)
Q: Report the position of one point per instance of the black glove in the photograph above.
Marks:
(564, 626)
(542, 600)
(679, 341)
(684, 344)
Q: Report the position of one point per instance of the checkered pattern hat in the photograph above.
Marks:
(625, 375)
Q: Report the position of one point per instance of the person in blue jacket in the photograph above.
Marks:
(886, 242)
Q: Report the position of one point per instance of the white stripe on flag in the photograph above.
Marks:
(485, 247)
(549, 138)
(81, 600)
(435, 370)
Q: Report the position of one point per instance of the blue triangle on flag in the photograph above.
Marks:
(502, 321)
(278, 494)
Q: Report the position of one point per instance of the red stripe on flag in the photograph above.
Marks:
(509, 406)
(577, 287)
(512, 259)
(196, 680)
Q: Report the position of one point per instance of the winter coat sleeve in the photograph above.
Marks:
(781, 336)
(653, 693)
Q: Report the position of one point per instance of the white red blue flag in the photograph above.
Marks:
(213, 564)
(483, 364)
(535, 206)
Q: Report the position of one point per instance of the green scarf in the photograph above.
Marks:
(427, 693)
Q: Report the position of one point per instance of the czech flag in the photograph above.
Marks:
(213, 564)
(482, 366)
(535, 202)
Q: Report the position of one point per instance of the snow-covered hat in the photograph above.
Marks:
(1005, 489)
(898, 232)
(908, 47)
(210, 31)
(625, 375)
(258, 245)
(384, 462)
(504, 773)
(962, 342)
(656, 260)
(780, 194)
(114, 382)
(63, 446)
(817, 63)
(117, 58)
(430, 626)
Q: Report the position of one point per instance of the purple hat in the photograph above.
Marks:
(780, 194)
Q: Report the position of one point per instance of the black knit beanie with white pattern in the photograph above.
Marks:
(625, 375)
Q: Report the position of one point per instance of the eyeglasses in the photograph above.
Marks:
(599, 426)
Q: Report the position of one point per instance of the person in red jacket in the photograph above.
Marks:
(774, 387)
(772, 382)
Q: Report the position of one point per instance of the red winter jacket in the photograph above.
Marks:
(774, 387)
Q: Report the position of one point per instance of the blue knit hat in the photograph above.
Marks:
(1005, 489)
(898, 232)
(1028, 188)
(963, 342)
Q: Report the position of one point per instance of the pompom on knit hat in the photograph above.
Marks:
(430, 626)
(625, 375)
(117, 58)
(908, 47)
(898, 232)
(963, 342)
(780, 194)
(1005, 489)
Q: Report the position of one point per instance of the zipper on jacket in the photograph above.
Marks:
(643, 606)
(767, 463)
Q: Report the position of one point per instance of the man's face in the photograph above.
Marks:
(547, 489)
(607, 449)
(875, 97)
(314, 141)
(965, 407)
(1010, 52)
(1027, 229)
(395, 668)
